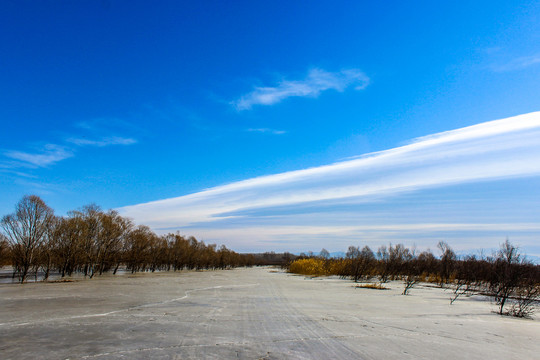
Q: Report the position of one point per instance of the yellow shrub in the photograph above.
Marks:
(434, 278)
(339, 267)
(309, 267)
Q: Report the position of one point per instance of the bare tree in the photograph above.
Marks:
(112, 231)
(367, 258)
(27, 230)
(353, 256)
(397, 257)
(68, 250)
(137, 248)
(4, 250)
(506, 274)
(411, 268)
(89, 245)
(324, 254)
(46, 249)
(410, 281)
(525, 298)
(462, 287)
(448, 258)
(383, 258)
(158, 253)
(467, 278)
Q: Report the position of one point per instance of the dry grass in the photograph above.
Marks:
(312, 266)
(372, 286)
(319, 267)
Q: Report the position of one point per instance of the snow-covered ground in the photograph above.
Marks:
(258, 313)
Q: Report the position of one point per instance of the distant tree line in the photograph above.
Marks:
(506, 276)
(91, 241)
(273, 258)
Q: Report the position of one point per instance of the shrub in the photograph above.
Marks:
(312, 266)
(372, 286)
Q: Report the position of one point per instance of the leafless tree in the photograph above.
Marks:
(46, 249)
(398, 255)
(112, 231)
(27, 229)
(178, 248)
(324, 254)
(411, 268)
(461, 287)
(89, 242)
(468, 275)
(68, 244)
(137, 248)
(353, 256)
(383, 259)
(158, 253)
(525, 298)
(410, 281)
(4, 250)
(448, 258)
(506, 274)
(360, 262)
(224, 257)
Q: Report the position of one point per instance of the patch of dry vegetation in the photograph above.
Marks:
(512, 282)
(319, 267)
(372, 286)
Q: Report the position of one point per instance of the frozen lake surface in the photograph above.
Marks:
(258, 313)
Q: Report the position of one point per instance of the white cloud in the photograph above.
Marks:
(317, 81)
(338, 238)
(107, 141)
(517, 63)
(500, 149)
(50, 155)
(5, 169)
(268, 131)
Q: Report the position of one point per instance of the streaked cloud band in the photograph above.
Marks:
(500, 149)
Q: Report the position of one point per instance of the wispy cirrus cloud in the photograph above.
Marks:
(267, 131)
(495, 150)
(19, 174)
(107, 141)
(518, 63)
(49, 155)
(317, 81)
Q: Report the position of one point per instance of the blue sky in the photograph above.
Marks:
(279, 125)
